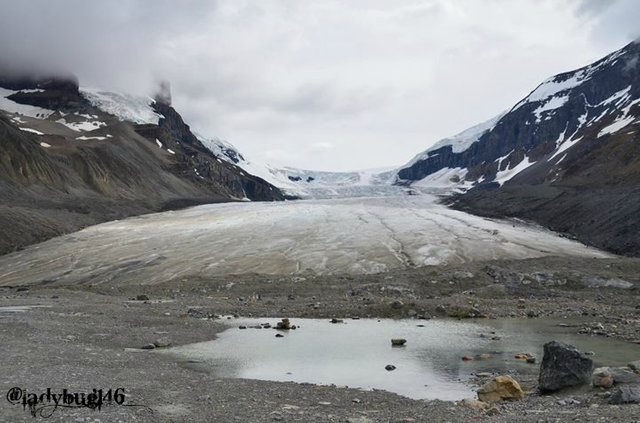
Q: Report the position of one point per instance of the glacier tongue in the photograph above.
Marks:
(320, 236)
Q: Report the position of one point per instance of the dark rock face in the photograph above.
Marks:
(55, 92)
(12, 81)
(173, 131)
(563, 366)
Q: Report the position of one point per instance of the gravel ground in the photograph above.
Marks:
(87, 337)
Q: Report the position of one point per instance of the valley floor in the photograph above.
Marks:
(85, 337)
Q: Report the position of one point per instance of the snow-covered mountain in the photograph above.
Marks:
(567, 156)
(566, 110)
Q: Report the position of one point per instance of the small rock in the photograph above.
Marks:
(397, 304)
(602, 379)
(398, 342)
(198, 313)
(441, 309)
(162, 342)
(334, 320)
(412, 313)
(485, 356)
(474, 404)
(525, 356)
(467, 358)
(279, 335)
(390, 367)
(635, 366)
(22, 289)
(626, 394)
(148, 347)
(605, 377)
(493, 411)
(500, 388)
(244, 327)
(142, 297)
(356, 400)
(284, 324)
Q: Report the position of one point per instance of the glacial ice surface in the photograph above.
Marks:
(360, 235)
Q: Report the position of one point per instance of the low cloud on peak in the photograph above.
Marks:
(376, 80)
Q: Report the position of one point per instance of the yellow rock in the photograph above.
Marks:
(500, 388)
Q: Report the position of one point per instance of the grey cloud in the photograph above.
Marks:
(379, 80)
(614, 21)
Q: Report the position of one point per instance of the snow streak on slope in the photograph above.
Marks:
(318, 236)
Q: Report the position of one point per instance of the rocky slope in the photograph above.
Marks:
(72, 158)
(565, 156)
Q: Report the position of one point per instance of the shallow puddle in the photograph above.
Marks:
(355, 353)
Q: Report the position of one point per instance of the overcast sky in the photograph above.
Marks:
(320, 84)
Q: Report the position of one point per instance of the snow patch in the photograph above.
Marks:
(81, 126)
(553, 103)
(31, 131)
(85, 138)
(616, 126)
(505, 175)
(21, 109)
(45, 145)
(620, 95)
(449, 179)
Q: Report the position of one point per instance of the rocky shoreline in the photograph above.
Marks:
(86, 337)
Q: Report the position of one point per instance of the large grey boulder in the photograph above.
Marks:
(563, 366)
